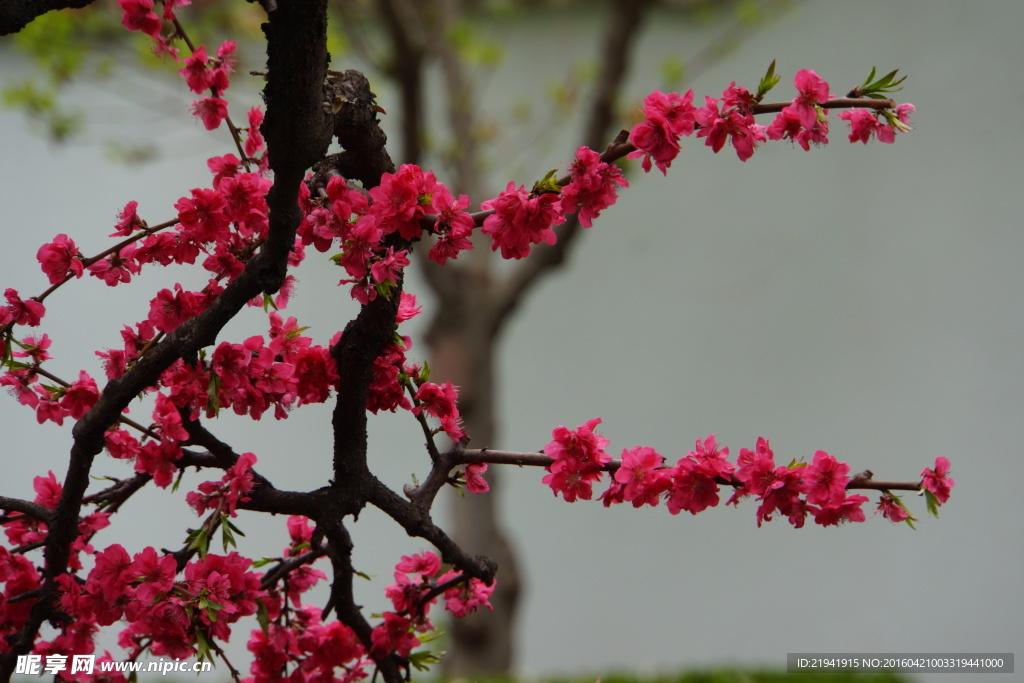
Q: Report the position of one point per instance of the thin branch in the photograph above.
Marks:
(421, 417)
(236, 133)
(418, 523)
(471, 456)
(440, 588)
(199, 435)
(112, 498)
(422, 496)
(235, 674)
(834, 103)
(286, 566)
(620, 147)
(34, 510)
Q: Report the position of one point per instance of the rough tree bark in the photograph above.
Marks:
(17, 14)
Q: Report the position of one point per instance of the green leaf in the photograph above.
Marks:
(770, 80)
(878, 89)
(53, 391)
(227, 539)
(431, 636)
(199, 540)
(228, 531)
(211, 608)
(887, 82)
(203, 651)
(7, 359)
(385, 288)
(424, 659)
(212, 394)
(262, 616)
(910, 518)
(932, 503)
(547, 184)
(297, 332)
(893, 120)
(230, 525)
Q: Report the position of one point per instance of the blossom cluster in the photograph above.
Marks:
(412, 203)
(669, 117)
(313, 649)
(294, 636)
(642, 477)
(201, 71)
(227, 223)
(250, 378)
(26, 531)
(225, 495)
(52, 402)
(418, 581)
(866, 124)
(359, 224)
(162, 613)
(170, 610)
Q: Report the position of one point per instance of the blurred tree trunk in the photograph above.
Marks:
(463, 332)
(471, 309)
(473, 303)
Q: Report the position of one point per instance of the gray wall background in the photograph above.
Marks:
(864, 301)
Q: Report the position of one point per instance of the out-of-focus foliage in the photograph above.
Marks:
(90, 44)
(60, 45)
